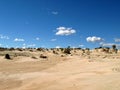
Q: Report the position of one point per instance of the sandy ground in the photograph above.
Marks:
(60, 73)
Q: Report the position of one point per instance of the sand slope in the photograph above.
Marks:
(60, 73)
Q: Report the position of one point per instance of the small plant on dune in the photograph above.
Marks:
(43, 56)
(19, 49)
(11, 49)
(34, 57)
(31, 50)
(40, 49)
(114, 48)
(2, 49)
(61, 49)
(67, 50)
(7, 56)
(54, 52)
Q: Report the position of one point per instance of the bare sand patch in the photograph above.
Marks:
(72, 72)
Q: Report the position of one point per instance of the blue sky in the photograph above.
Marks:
(59, 23)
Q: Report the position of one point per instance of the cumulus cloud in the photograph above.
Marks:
(53, 40)
(81, 45)
(19, 40)
(23, 47)
(57, 47)
(106, 44)
(73, 47)
(55, 12)
(94, 39)
(28, 45)
(31, 45)
(24, 44)
(65, 31)
(4, 37)
(109, 44)
(117, 39)
(37, 38)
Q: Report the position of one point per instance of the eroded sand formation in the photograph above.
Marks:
(81, 70)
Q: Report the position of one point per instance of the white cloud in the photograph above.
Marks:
(118, 46)
(31, 45)
(23, 47)
(37, 38)
(65, 31)
(94, 39)
(81, 45)
(57, 47)
(4, 37)
(53, 40)
(19, 40)
(55, 12)
(24, 44)
(73, 47)
(106, 44)
(109, 44)
(117, 39)
(27, 46)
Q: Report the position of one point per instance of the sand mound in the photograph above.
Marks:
(71, 72)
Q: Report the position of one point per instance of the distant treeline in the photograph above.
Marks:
(42, 49)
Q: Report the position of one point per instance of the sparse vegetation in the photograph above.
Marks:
(43, 60)
(67, 50)
(40, 49)
(55, 52)
(7, 56)
(34, 57)
(114, 47)
(43, 56)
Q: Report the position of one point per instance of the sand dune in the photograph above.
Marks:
(71, 72)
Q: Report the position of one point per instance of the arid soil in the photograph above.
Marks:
(27, 71)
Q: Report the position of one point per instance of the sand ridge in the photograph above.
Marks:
(72, 72)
